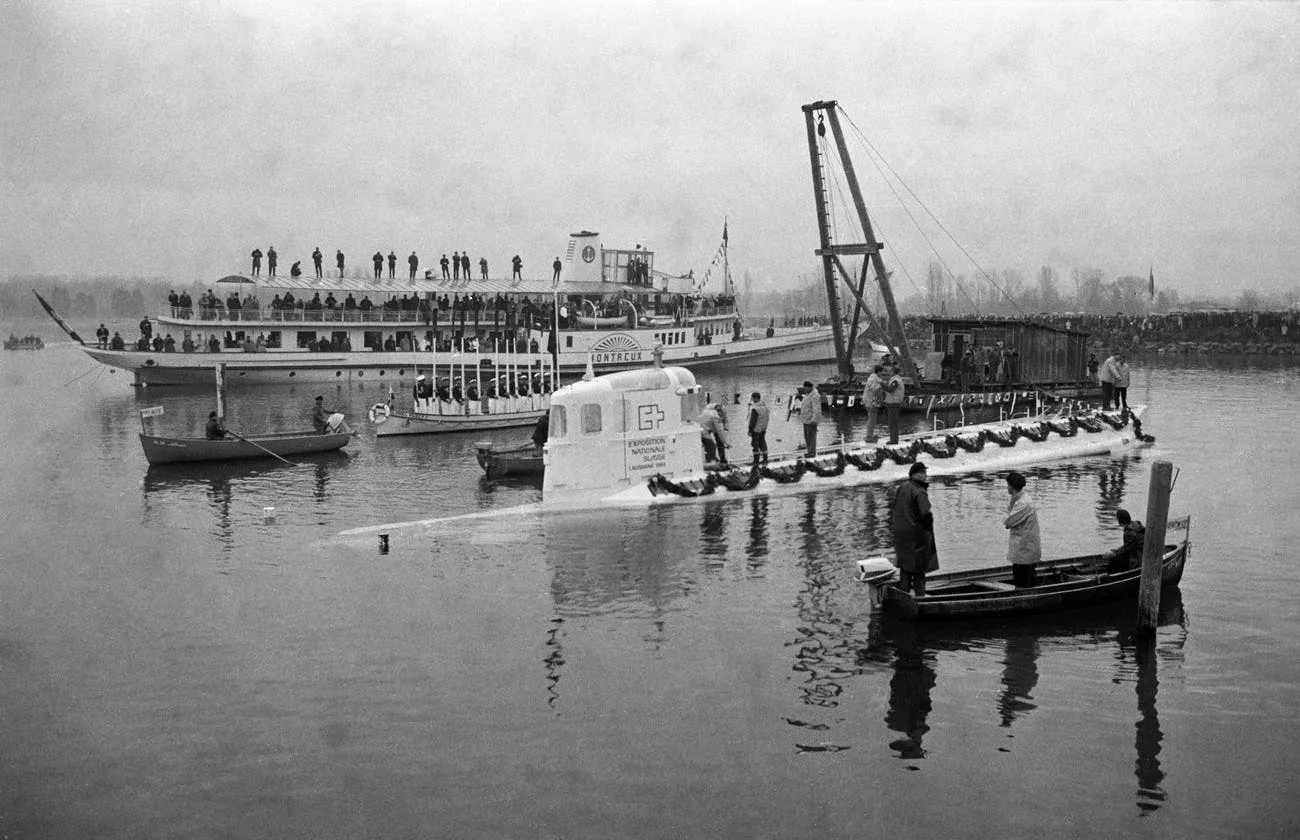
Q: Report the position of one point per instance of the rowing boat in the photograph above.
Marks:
(168, 450)
(504, 461)
(1065, 584)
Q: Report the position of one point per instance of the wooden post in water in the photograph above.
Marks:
(1153, 546)
(221, 391)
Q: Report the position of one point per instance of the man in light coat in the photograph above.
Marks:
(713, 433)
(1109, 372)
(895, 392)
(874, 396)
(810, 414)
(1024, 545)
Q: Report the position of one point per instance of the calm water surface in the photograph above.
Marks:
(173, 665)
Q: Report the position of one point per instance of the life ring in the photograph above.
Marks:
(379, 413)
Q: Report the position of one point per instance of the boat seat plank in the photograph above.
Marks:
(995, 585)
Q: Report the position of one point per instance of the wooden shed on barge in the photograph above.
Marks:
(1037, 353)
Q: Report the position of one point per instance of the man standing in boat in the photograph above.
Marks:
(257, 262)
(517, 265)
(557, 265)
(339, 259)
(446, 275)
(1024, 546)
(913, 527)
(316, 260)
(270, 261)
(414, 262)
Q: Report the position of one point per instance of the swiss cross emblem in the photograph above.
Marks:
(649, 417)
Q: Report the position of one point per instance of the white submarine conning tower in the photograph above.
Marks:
(619, 430)
(590, 262)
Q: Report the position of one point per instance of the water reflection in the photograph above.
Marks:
(828, 636)
(911, 651)
(1019, 678)
(757, 547)
(910, 687)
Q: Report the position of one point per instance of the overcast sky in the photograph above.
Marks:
(152, 138)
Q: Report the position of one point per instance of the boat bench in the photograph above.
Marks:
(994, 585)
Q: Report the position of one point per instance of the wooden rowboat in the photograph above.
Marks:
(515, 460)
(166, 450)
(1064, 584)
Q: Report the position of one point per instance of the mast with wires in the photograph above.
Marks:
(816, 115)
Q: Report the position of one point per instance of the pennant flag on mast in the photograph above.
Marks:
(724, 231)
(1151, 285)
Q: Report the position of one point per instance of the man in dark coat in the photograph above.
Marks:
(316, 261)
(913, 527)
(1128, 555)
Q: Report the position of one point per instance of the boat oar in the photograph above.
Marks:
(238, 436)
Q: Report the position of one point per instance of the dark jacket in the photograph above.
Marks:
(1128, 555)
(913, 527)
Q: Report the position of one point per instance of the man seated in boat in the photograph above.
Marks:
(1129, 554)
(541, 432)
(320, 416)
(214, 430)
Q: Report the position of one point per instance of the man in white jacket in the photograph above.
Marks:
(1024, 546)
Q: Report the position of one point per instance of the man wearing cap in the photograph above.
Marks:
(1024, 546)
(810, 414)
(913, 527)
(423, 387)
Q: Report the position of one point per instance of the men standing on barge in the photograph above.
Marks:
(810, 414)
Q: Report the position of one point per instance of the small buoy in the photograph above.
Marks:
(268, 514)
(383, 543)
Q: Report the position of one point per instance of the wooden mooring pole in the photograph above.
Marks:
(1153, 546)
